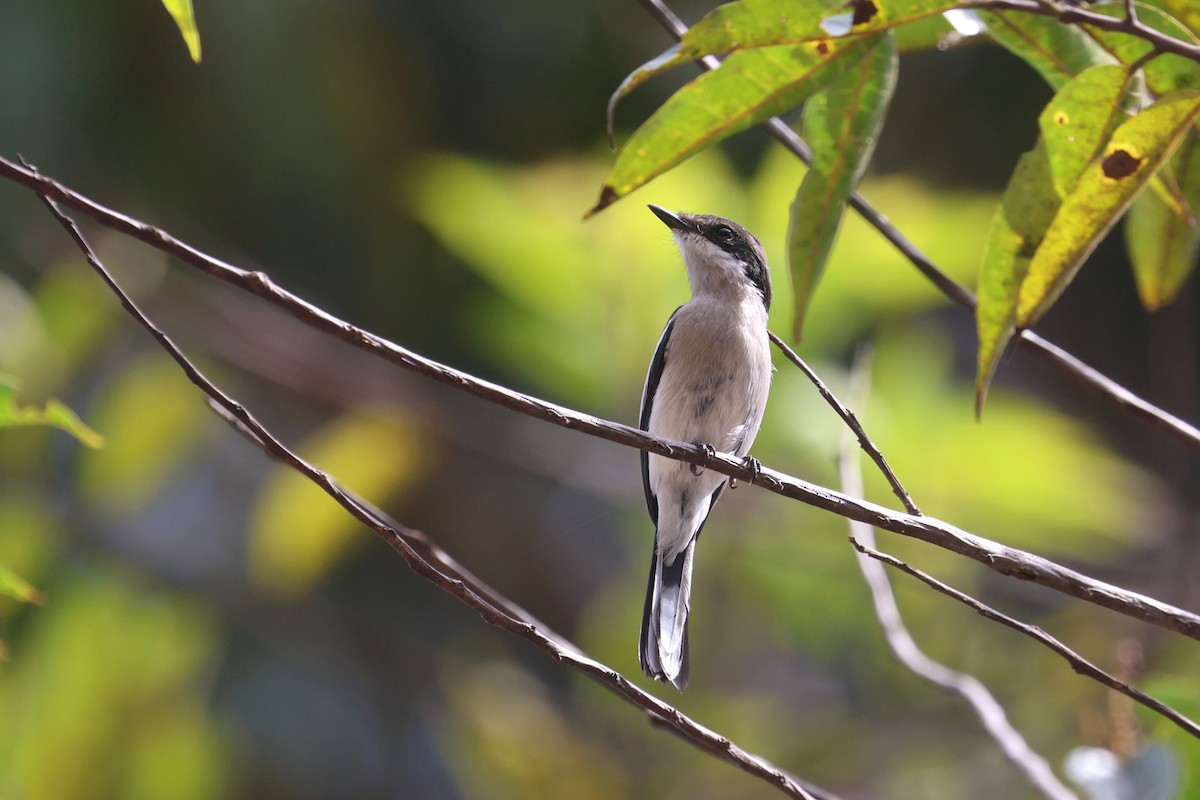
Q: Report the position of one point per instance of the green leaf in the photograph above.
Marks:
(763, 23)
(1074, 127)
(1163, 241)
(753, 24)
(841, 123)
(931, 33)
(181, 11)
(1136, 151)
(749, 87)
(1057, 51)
(54, 414)
(1020, 222)
(14, 586)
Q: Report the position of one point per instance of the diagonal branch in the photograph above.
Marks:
(431, 563)
(853, 425)
(991, 714)
(1078, 663)
(1001, 558)
(1087, 376)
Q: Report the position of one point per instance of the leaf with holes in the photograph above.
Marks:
(841, 124)
(764, 23)
(1058, 52)
(749, 88)
(1074, 128)
(1136, 151)
(1163, 241)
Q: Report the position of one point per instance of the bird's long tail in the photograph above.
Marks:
(664, 642)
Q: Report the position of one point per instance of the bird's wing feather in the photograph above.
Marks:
(653, 376)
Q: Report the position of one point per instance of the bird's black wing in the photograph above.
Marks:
(652, 378)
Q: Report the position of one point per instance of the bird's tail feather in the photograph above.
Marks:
(664, 641)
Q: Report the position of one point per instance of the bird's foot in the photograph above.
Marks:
(709, 452)
(754, 465)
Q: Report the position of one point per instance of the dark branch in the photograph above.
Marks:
(852, 423)
(991, 714)
(431, 563)
(1078, 663)
(1005, 560)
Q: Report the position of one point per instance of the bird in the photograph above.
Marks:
(707, 383)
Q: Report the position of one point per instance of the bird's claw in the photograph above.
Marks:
(754, 465)
(709, 452)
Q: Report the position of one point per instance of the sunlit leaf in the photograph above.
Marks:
(1137, 149)
(1163, 242)
(1074, 126)
(932, 33)
(298, 532)
(53, 414)
(841, 123)
(1057, 51)
(749, 88)
(763, 23)
(14, 586)
(181, 11)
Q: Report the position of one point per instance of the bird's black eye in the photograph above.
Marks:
(724, 233)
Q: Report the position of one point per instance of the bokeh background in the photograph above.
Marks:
(214, 627)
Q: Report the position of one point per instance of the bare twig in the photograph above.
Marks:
(1076, 15)
(1078, 663)
(431, 563)
(1005, 560)
(852, 424)
(1131, 12)
(1087, 376)
(991, 714)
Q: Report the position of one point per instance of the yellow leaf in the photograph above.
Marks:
(181, 11)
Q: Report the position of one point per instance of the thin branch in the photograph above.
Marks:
(1131, 12)
(1000, 558)
(1078, 663)
(991, 714)
(1075, 15)
(864, 441)
(1087, 376)
(428, 561)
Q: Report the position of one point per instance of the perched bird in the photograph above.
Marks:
(708, 383)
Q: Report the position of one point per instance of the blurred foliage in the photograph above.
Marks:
(107, 695)
(54, 414)
(147, 405)
(215, 626)
(297, 535)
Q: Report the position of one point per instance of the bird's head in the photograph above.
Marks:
(722, 258)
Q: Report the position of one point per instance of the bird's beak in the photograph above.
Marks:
(670, 218)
